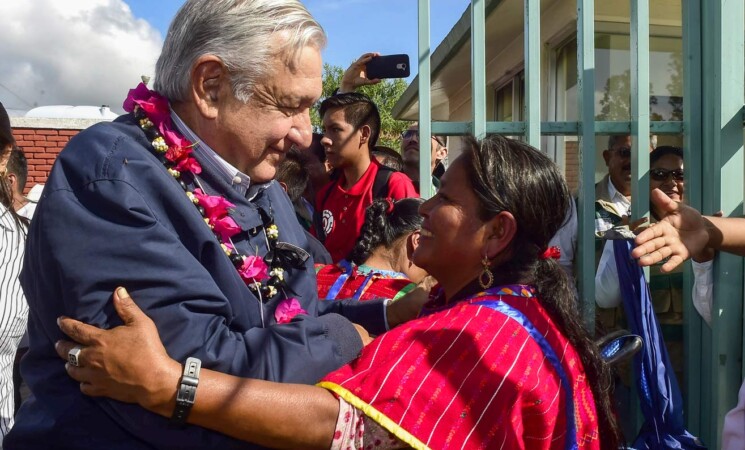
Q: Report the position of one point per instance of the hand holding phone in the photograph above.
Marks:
(356, 74)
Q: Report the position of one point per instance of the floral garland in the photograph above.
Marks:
(173, 150)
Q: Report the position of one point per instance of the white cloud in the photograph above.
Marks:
(73, 52)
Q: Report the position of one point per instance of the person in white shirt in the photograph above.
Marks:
(612, 199)
(14, 307)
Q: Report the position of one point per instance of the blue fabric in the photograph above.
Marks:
(571, 441)
(339, 283)
(659, 394)
(111, 215)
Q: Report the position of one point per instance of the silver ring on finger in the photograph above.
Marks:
(73, 356)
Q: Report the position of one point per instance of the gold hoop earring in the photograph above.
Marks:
(486, 272)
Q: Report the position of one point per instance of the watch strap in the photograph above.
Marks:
(187, 391)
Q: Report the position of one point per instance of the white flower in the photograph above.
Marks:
(277, 272)
(159, 144)
(272, 232)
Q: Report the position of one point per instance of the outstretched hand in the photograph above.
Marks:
(356, 75)
(127, 363)
(681, 233)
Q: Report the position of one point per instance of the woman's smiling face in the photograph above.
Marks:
(452, 236)
(667, 174)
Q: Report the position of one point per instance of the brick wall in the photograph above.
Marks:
(571, 155)
(41, 146)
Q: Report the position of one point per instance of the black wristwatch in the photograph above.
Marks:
(187, 391)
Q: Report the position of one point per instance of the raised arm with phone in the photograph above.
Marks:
(371, 68)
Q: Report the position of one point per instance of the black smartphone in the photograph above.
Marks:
(388, 66)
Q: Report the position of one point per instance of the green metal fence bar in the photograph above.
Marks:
(425, 101)
(586, 209)
(532, 33)
(554, 128)
(640, 107)
(478, 66)
(692, 117)
(724, 63)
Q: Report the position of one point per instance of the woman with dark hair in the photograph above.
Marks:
(497, 359)
(14, 307)
(379, 265)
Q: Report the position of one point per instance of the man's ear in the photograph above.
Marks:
(365, 132)
(500, 232)
(209, 78)
(412, 242)
(606, 156)
(13, 180)
(283, 185)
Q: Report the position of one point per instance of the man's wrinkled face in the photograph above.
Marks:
(255, 136)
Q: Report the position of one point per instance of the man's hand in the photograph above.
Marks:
(364, 335)
(356, 75)
(683, 231)
(127, 363)
(409, 306)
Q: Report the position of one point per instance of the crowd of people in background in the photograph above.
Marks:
(210, 234)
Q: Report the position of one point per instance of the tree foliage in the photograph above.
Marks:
(385, 94)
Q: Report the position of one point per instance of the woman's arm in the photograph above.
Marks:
(130, 364)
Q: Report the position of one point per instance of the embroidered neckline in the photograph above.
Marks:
(264, 276)
(366, 270)
(436, 303)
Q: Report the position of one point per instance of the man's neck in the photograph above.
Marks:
(355, 170)
(612, 186)
(19, 201)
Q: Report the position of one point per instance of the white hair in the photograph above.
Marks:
(239, 32)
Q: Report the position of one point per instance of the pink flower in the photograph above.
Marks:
(253, 269)
(139, 93)
(225, 227)
(176, 153)
(215, 207)
(287, 310)
(172, 138)
(154, 104)
(181, 156)
(189, 165)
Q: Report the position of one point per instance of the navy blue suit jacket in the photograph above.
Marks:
(111, 215)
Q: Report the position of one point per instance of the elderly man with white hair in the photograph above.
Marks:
(176, 202)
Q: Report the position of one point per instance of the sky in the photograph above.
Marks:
(90, 52)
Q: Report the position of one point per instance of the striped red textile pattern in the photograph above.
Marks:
(471, 377)
(377, 286)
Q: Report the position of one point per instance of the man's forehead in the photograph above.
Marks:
(622, 141)
(335, 116)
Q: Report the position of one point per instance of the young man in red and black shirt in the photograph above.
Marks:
(351, 125)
